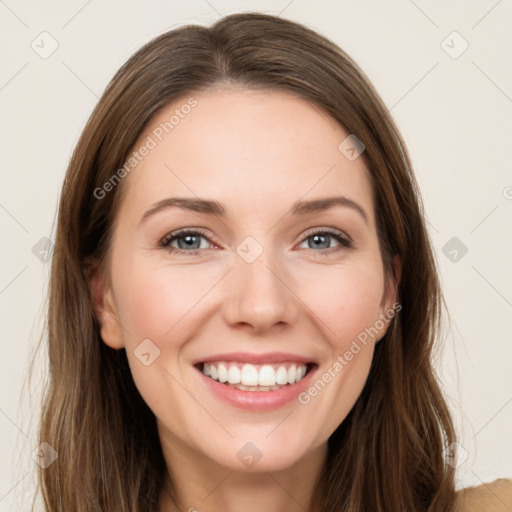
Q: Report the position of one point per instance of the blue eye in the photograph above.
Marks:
(189, 241)
(321, 240)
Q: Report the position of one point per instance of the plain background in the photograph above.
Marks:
(453, 108)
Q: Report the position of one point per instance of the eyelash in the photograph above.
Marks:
(344, 241)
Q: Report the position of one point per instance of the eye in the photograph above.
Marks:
(187, 241)
(321, 239)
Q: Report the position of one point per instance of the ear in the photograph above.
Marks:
(390, 296)
(105, 308)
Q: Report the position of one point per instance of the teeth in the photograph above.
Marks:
(234, 374)
(281, 376)
(267, 376)
(254, 388)
(292, 373)
(251, 377)
(223, 373)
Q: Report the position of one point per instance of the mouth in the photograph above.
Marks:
(255, 377)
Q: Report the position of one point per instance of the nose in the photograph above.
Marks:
(260, 295)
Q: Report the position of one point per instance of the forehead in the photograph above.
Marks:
(246, 148)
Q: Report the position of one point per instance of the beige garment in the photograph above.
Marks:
(489, 497)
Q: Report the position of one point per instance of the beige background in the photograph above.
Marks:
(453, 110)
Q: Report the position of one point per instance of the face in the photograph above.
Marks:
(262, 284)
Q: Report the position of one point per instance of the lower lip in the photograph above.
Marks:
(258, 400)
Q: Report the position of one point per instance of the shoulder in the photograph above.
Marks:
(489, 497)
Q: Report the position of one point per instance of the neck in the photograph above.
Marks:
(199, 484)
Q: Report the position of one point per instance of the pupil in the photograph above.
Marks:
(326, 239)
(189, 241)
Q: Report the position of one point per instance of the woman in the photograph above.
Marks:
(243, 298)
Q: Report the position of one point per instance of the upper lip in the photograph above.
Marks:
(252, 358)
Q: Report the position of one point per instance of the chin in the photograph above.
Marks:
(255, 454)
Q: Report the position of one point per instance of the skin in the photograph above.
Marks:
(256, 152)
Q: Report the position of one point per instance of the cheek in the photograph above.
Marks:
(347, 299)
(156, 301)
(160, 303)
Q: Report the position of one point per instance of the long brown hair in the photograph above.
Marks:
(387, 454)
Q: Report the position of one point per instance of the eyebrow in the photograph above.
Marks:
(211, 207)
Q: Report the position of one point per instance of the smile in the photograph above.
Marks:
(254, 377)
